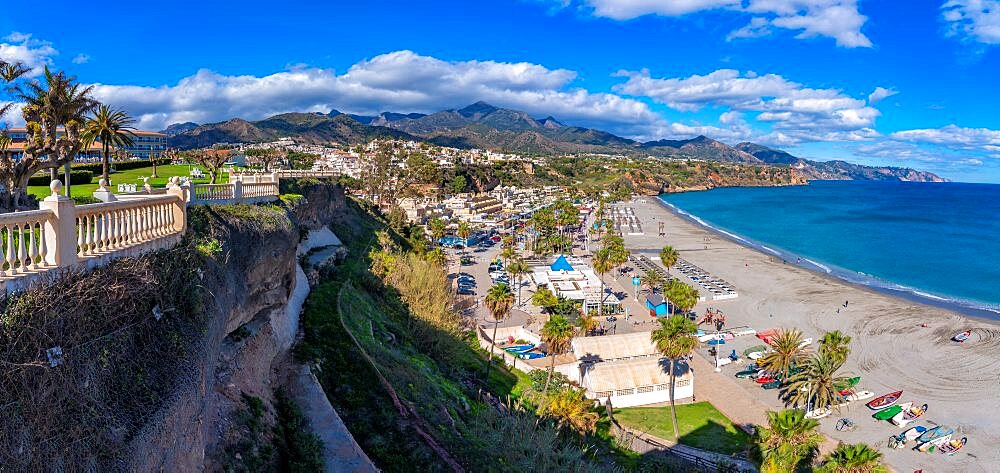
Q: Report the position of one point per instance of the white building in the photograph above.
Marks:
(637, 382)
(575, 280)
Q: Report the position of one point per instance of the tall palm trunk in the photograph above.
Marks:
(552, 367)
(673, 409)
(105, 167)
(489, 361)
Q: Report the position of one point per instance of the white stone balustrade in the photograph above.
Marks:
(26, 242)
(64, 235)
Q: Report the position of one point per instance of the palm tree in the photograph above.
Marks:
(817, 383)
(544, 298)
(54, 110)
(498, 301)
(674, 340)
(556, 333)
(517, 269)
(787, 350)
(669, 257)
(853, 458)
(437, 230)
(682, 296)
(587, 323)
(836, 345)
(113, 128)
(602, 264)
(788, 439)
(652, 280)
(463, 232)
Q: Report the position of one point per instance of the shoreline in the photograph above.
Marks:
(897, 343)
(844, 275)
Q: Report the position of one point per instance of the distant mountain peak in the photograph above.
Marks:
(478, 108)
(178, 128)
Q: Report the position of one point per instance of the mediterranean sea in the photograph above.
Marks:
(935, 242)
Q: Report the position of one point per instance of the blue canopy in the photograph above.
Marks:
(560, 264)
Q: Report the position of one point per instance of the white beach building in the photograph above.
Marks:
(628, 369)
(573, 279)
(637, 382)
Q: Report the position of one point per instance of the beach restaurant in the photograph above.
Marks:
(574, 280)
(627, 369)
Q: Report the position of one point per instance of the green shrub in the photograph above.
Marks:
(97, 168)
(209, 248)
(538, 380)
(85, 199)
(76, 176)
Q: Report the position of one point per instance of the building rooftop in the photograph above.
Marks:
(614, 347)
(628, 374)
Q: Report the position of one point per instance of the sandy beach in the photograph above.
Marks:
(896, 343)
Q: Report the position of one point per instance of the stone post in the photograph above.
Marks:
(180, 206)
(237, 190)
(60, 232)
(274, 177)
(103, 193)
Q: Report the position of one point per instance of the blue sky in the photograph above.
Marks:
(875, 82)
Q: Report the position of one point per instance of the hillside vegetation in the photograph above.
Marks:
(405, 374)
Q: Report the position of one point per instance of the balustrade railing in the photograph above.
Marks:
(106, 227)
(62, 234)
(25, 240)
(213, 191)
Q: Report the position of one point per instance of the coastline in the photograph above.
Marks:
(897, 343)
(844, 275)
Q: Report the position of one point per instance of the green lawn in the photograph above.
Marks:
(131, 176)
(701, 426)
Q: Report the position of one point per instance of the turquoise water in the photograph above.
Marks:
(938, 242)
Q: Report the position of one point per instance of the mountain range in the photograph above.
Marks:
(482, 125)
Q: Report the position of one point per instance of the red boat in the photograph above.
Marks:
(882, 402)
(764, 379)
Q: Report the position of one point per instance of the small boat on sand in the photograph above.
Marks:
(819, 413)
(931, 445)
(889, 413)
(530, 355)
(885, 400)
(962, 337)
(909, 415)
(765, 378)
(898, 441)
(953, 446)
(936, 432)
(772, 385)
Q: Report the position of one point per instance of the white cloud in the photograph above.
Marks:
(907, 151)
(33, 53)
(837, 19)
(879, 94)
(799, 113)
(757, 28)
(973, 20)
(955, 137)
(81, 59)
(400, 81)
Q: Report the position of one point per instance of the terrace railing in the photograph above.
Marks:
(64, 235)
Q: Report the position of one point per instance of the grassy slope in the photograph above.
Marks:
(700, 424)
(131, 176)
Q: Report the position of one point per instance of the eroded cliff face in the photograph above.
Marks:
(246, 347)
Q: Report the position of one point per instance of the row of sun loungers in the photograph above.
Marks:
(625, 221)
(717, 287)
